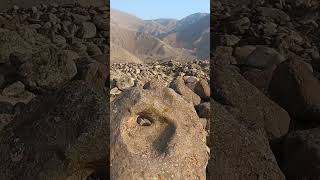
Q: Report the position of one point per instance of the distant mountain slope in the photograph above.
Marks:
(161, 39)
(193, 32)
(120, 55)
(145, 46)
(125, 20)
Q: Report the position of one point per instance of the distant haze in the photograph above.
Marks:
(154, 9)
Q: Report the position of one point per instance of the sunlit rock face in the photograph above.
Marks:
(156, 134)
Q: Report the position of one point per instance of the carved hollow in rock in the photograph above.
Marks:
(150, 139)
(144, 121)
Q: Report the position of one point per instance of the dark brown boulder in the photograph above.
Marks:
(238, 153)
(202, 88)
(248, 104)
(48, 69)
(259, 78)
(295, 88)
(57, 136)
(301, 155)
(180, 87)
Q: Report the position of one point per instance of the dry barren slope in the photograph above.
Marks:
(120, 55)
(144, 46)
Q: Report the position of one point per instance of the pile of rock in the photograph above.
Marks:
(45, 47)
(125, 75)
(53, 84)
(265, 90)
(190, 79)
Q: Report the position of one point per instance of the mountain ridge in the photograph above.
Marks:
(161, 38)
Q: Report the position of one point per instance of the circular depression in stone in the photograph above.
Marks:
(147, 134)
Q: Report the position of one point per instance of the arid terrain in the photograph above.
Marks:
(145, 41)
(265, 90)
(54, 113)
(159, 81)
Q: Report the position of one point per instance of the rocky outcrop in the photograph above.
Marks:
(248, 104)
(57, 135)
(156, 134)
(265, 75)
(53, 83)
(295, 88)
(237, 152)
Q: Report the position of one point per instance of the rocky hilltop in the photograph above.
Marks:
(160, 98)
(53, 92)
(159, 118)
(265, 90)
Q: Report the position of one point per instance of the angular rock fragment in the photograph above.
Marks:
(202, 88)
(179, 86)
(14, 89)
(88, 30)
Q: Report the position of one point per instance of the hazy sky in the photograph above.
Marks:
(153, 9)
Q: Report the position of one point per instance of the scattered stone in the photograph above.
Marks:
(88, 30)
(10, 42)
(202, 88)
(24, 97)
(179, 86)
(155, 84)
(203, 110)
(14, 89)
(125, 83)
(115, 91)
(48, 70)
(230, 40)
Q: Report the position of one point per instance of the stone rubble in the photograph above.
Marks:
(264, 81)
(53, 92)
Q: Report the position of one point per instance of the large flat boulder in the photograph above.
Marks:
(156, 134)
